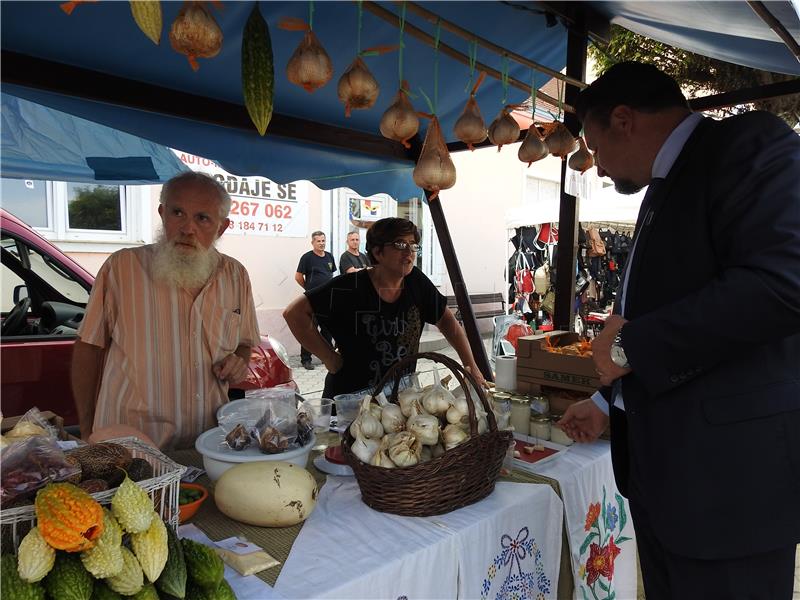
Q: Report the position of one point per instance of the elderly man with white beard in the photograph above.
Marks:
(168, 326)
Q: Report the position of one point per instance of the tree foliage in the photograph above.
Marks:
(95, 208)
(698, 75)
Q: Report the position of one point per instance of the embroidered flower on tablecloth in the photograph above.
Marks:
(604, 524)
(591, 516)
(611, 516)
(515, 553)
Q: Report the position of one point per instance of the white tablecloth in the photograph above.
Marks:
(600, 531)
(508, 542)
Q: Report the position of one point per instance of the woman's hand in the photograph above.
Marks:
(334, 362)
(476, 373)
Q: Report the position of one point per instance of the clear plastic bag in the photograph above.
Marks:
(268, 419)
(30, 424)
(30, 464)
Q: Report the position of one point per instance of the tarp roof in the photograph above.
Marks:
(103, 37)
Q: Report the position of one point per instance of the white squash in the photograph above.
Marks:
(266, 493)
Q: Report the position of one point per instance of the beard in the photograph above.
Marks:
(181, 267)
(626, 186)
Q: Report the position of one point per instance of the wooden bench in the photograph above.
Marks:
(482, 305)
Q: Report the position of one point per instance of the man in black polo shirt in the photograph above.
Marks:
(315, 268)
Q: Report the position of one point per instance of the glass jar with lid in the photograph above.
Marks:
(521, 413)
(557, 435)
(540, 426)
(501, 405)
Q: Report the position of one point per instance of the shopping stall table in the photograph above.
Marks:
(599, 531)
(509, 541)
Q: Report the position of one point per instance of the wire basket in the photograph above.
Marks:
(163, 489)
(459, 477)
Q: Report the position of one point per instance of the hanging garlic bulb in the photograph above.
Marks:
(310, 66)
(453, 435)
(504, 129)
(560, 142)
(400, 121)
(434, 170)
(195, 33)
(392, 419)
(357, 88)
(582, 160)
(437, 399)
(365, 449)
(470, 127)
(533, 147)
(424, 426)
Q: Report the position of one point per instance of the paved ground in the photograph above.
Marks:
(311, 383)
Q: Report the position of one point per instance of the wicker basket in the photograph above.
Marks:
(461, 476)
(163, 488)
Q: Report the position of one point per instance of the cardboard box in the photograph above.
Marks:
(537, 366)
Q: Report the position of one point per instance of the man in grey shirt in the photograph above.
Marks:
(352, 259)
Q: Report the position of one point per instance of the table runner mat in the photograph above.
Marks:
(278, 541)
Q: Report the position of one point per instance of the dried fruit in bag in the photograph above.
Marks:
(400, 121)
(582, 160)
(195, 33)
(504, 129)
(309, 66)
(470, 127)
(435, 170)
(533, 147)
(357, 88)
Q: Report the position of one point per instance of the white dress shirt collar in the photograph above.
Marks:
(673, 145)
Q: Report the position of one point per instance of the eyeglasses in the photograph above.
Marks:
(403, 246)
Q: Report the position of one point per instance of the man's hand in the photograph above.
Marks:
(601, 351)
(583, 421)
(233, 369)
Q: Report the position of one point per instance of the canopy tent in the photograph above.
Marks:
(96, 64)
(41, 143)
(604, 205)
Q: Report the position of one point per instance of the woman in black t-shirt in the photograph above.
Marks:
(375, 315)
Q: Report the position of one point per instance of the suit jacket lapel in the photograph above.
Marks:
(648, 214)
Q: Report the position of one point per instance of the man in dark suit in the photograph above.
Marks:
(701, 361)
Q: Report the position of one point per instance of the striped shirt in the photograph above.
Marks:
(161, 344)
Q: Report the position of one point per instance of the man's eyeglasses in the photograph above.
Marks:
(403, 246)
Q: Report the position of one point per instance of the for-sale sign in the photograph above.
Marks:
(258, 206)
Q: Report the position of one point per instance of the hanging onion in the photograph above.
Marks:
(400, 121)
(434, 170)
(195, 33)
(470, 127)
(310, 66)
(559, 140)
(533, 147)
(357, 89)
(504, 129)
(582, 160)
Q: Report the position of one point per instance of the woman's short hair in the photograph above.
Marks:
(195, 177)
(641, 86)
(388, 230)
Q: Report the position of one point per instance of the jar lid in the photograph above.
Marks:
(540, 418)
(501, 396)
(520, 399)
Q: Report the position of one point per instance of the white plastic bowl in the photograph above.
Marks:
(218, 458)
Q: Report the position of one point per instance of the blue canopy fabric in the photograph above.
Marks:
(41, 143)
(104, 37)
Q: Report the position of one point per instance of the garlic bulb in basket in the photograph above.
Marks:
(381, 456)
(366, 423)
(470, 127)
(404, 449)
(437, 399)
(582, 160)
(434, 170)
(424, 426)
(195, 33)
(504, 129)
(559, 140)
(357, 88)
(392, 419)
(310, 66)
(407, 397)
(453, 435)
(533, 147)
(400, 121)
(365, 449)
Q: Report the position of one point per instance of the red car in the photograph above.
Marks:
(43, 294)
